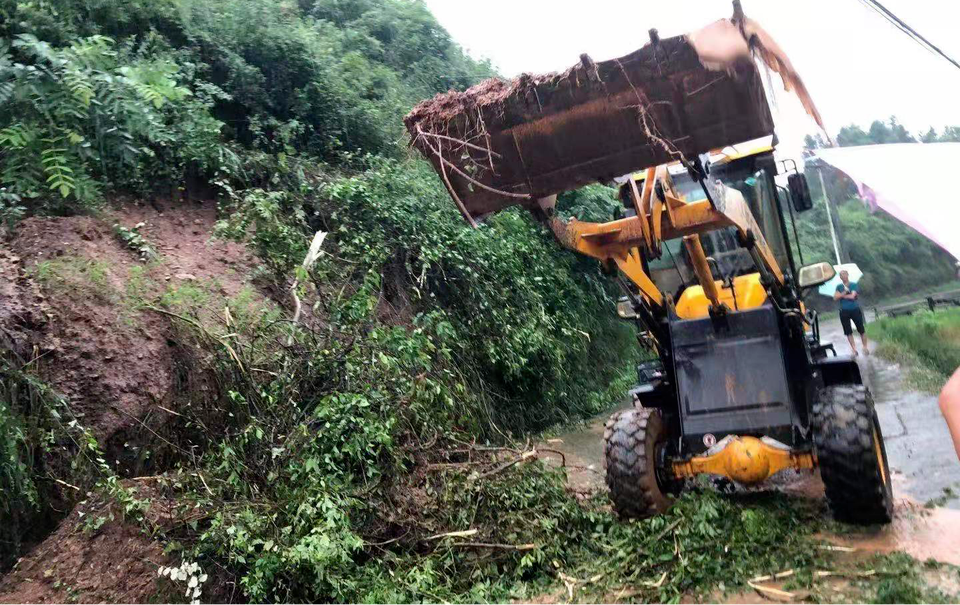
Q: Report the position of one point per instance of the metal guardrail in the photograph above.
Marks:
(932, 302)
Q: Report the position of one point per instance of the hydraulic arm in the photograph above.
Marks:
(662, 215)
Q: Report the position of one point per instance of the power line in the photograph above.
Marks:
(899, 24)
(894, 21)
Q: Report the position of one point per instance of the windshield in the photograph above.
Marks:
(672, 272)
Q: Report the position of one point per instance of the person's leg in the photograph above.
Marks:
(848, 330)
(950, 406)
(861, 328)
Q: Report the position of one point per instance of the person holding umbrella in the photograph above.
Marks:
(850, 311)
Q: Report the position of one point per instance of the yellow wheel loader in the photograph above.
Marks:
(742, 386)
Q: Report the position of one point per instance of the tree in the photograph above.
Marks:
(951, 134)
(891, 131)
(930, 136)
(853, 135)
(812, 142)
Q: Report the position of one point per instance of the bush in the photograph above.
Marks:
(534, 322)
(90, 114)
(931, 339)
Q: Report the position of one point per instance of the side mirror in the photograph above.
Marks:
(799, 192)
(816, 274)
(625, 308)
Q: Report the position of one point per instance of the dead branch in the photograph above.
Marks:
(466, 533)
(463, 143)
(643, 104)
(563, 457)
(495, 546)
(524, 196)
(456, 198)
(508, 464)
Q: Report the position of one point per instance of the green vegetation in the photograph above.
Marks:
(903, 580)
(330, 459)
(425, 336)
(928, 343)
(64, 273)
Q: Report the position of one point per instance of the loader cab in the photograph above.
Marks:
(750, 169)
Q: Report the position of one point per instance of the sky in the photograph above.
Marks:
(856, 65)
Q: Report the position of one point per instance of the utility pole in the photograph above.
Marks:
(836, 234)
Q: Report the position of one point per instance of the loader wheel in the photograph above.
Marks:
(852, 457)
(633, 442)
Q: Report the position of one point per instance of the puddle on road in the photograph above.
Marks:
(920, 532)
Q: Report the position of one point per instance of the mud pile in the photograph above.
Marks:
(78, 310)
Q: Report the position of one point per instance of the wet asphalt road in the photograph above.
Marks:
(919, 448)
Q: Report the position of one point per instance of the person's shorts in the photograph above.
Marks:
(855, 316)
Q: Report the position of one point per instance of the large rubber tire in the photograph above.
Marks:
(631, 439)
(852, 457)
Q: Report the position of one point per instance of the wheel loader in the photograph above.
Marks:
(742, 386)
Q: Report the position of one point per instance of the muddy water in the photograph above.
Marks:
(919, 450)
(918, 443)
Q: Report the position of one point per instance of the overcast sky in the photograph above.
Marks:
(857, 66)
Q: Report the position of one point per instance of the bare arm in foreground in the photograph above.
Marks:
(950, 406)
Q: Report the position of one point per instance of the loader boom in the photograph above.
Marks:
(627, 242)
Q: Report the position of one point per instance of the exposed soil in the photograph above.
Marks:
(116, 563)
(73, 303)
(113, 362)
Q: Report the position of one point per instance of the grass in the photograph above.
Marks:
(67, 272)
(948, 494)
(902, 579)
(927, 343)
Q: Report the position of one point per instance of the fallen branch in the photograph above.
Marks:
(507, 465)
(170, 411)
(563, 457)
(847, 574)
(571, 582)
(455, 534)
(766, 590)
(313, 253)
(204, 482)
(441, 466)
(667, 530)
(456, 198)
(495, 546)
(837, 548)
(64, 483)
(390, 541)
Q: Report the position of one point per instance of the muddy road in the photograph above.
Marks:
(923, 464)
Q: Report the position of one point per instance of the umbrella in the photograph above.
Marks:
(830, 287)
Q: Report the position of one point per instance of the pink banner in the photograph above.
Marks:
(916, 183)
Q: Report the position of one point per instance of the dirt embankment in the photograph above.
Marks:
(78, 308)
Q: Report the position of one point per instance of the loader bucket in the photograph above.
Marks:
(503, 143)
